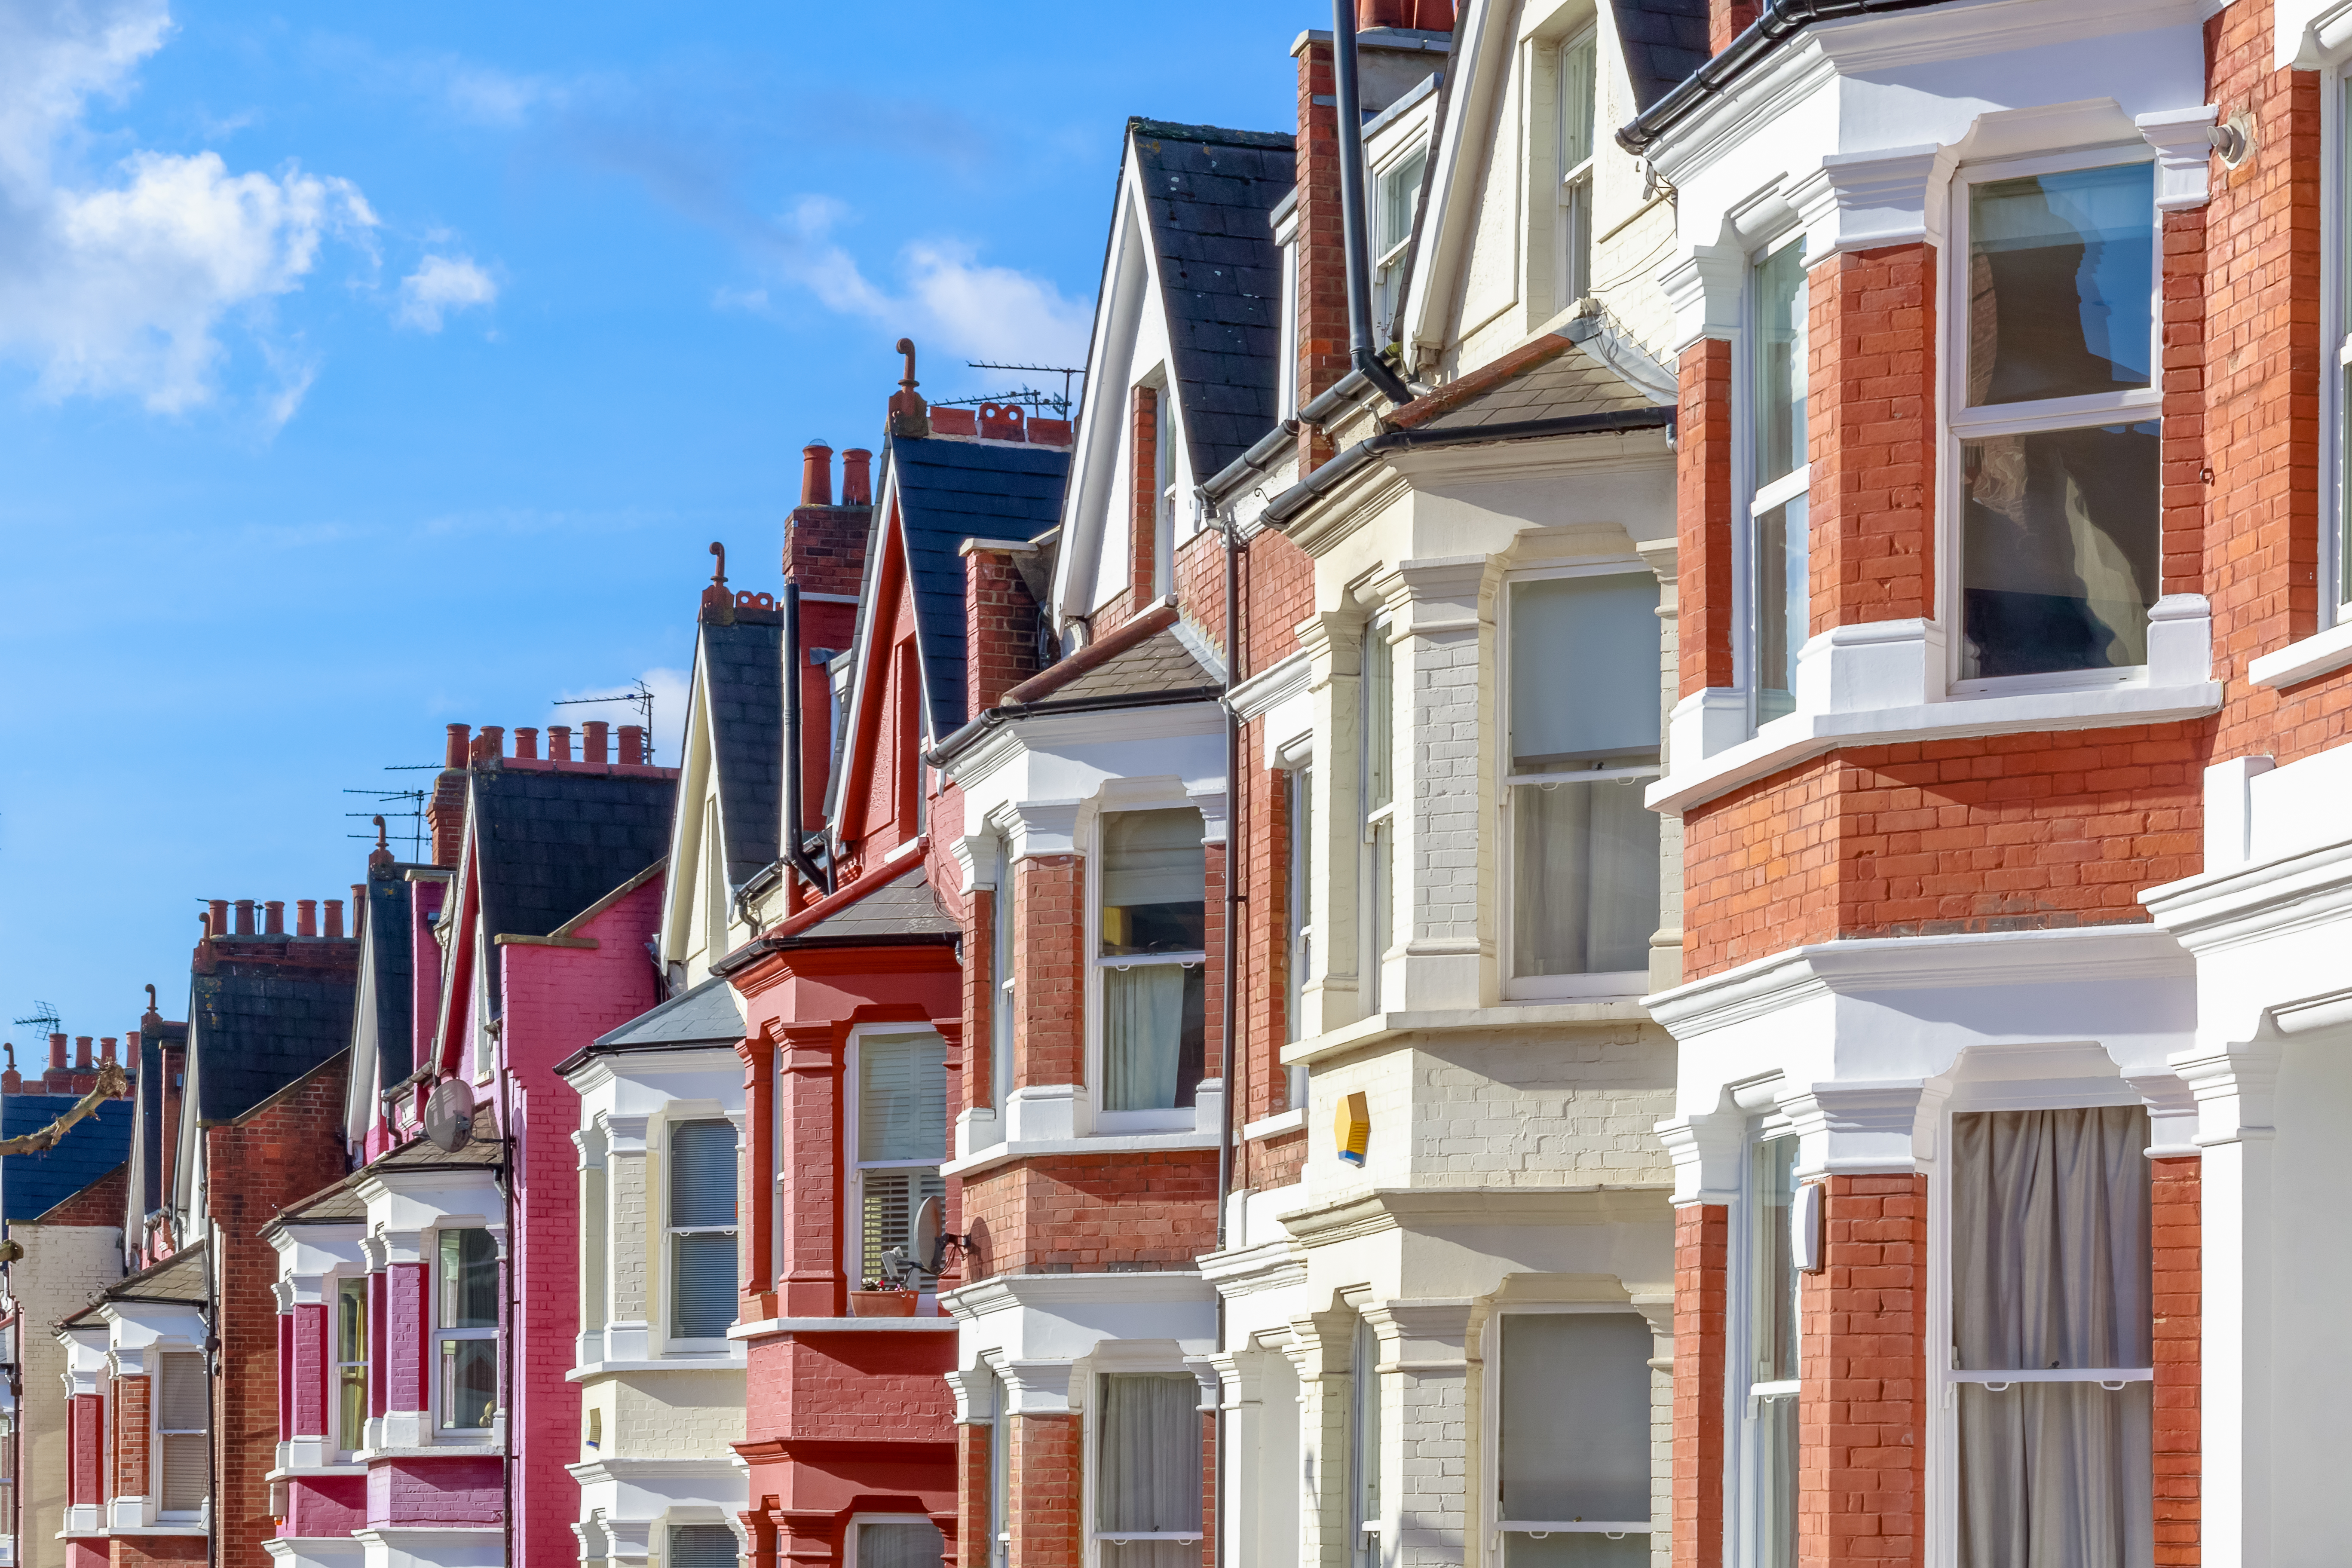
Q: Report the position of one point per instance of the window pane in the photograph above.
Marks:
(1776, 355)
(1399, 194)
(1150, 1454)
(182, 1485)
(888, 1202)
(702, 1173)
(351, 1355)
(469, 1383)
(1783, 566)
(1575, 1390)
(1364, 1460)
(1577, 102)
(1578, 1550)
(2060, 547)
(1380, 715)
(1584, 672)
(702, 1285)
(1774, 1427)
(469, 1279)
(1585, 885)
(896, 1545)
(1000, 987)
(1300, 897)
(2062, 282)
(1154, 1033)
(1154, 882)
(704, 1546)
(1772, 1265)
(182, 1400)
(902, 1097)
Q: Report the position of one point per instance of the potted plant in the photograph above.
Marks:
(881, 1299)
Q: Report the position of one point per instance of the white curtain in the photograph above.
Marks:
(1149, 1477)
(2050, 1271)
(900, 1545)
(1587, 897)
(1143, 1033)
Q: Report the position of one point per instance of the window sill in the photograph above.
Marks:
(708, 1361)
(1100, 1143)
(766, 1326)
(1275, 1126)
(2303, 660)
(473, 1447)
(1381, 1027)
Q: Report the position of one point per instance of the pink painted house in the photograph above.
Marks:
(428, 1302)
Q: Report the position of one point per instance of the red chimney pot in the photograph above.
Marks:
(857, 477)
(306, 917)
(56, 1050)
(219, 924)
(816, 474)
(633, 743)
(526, 744)
(273, 917)
(335, 931)
(245, 917)
(593, 746)
(559, 743)
(106, 1047)
(81, 1053)
(455, 756)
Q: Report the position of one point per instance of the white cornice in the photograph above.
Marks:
(1054, 1292)
(1270, 687)
(2254, 903)
(1425, 1209)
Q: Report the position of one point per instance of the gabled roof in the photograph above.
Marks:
(179, 1277)
(1209, 195)
(950, 490)
(551, 844)
(255, 1033)
(706, 1014)
(742, 670)
(1664, 41)
(32, 1185)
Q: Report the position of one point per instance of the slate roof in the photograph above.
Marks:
(743, 669)
(1664, 41)
(706, 1014)
(1569, 383)
(1210, 195)
(1161, 665)
(902, 908)
(253, 1034)
(339, 1204)
(948, 492)
(179, 1277)
(551, 844)
(32, 1185)
(394, 962)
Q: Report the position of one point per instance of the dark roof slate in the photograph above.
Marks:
(551, 844)
(904, 907)
(1565, 385)
(706, 1013)
(32, 1185)
(255, 1034)
(1157, 665)
(1664, 42)
(395, 960)
(179, 1277)
(1210, 195)
(951, 491)
(743, 669)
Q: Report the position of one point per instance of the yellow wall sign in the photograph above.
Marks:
(1353, 1131)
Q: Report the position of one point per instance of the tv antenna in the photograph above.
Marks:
(1028, 396)
(642, 698)
(44, 1018)
(413, 816)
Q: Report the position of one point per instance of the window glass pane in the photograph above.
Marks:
(182, 1400)
(1584, 672)
(1154, 1032)
(1774, 1427)
(1771, 1262)
(183, 1480)
(1577, 1551)
(1154, 882)
(1585, 881)
(1301, 896)
(1777, 356)
(701, 1546)
(902, 1097)
(1400, 194)
(469, 1279)
(2060, 547)
(898, 1545)
(1575, 1390)
(351, 1357)
(1783, 566)
(1380, 715)
(1364, 1483)
(702, 1285)
(1000, 987)
(1148, 1450)
(888, 1202)
(2061, 282)
(469, 1383)
(702, 1173)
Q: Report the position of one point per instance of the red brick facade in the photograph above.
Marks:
(1861, 1408)
(2177, 1280)
(1142, 495)
(1703, 516)
(1871, 413)
(1702, 1276)
(1047, 1526)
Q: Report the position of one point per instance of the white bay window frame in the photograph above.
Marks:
(679, 1229)
(1376, 812)
(1752, 1514)
(445, 1336)
(1499, 1526)
(2336, 381)
(1764, 496)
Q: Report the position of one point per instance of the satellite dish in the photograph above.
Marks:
(449, 1116)
(931, 1238)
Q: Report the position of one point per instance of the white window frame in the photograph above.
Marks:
(2335, 327)
(336, 1364)
(1373, 824)
(1491, 1420)
(158, 1432)
(1757, 500)
(1742, 1454)
(852, 1214)
(440, 1336)
(1387, 262)
(1175, 1119)
(1286, 238)
(1364, 1536)
(1958, 424)
(859, 1521)
(673, 1118)
(1164, 475)
(1004, 987)
(1576, 242)
(1299, 907)
(484, 1027)
(1549, 987)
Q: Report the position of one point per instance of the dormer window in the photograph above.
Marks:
(1153, 919)
(1580, 102)
(1396, 198)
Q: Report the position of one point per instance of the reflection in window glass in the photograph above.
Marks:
(2060, 549)
(1771, 1353)
(351, 1362)
(1377, 865)
(1147, 1472)
(1776, 355)
(2062, 271)
(1154, 917)
(1397, 196)
(468, 1327)
(1579, 113)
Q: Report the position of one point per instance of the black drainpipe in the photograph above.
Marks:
(1361, 353)
(795, 849)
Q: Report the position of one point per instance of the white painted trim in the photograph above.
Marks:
(1271, 688)
(766, 1326)
(2302, 660)
(1103, 1143)
(1274, 1126)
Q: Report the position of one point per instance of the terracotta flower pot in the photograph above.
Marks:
(881, 1303)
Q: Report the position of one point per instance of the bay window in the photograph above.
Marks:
(350, 1363)
(1364, 1450)
(1579, 111)
(1152, 910)
(902, 1120)
(1376, 807)
(1396, 197)
(1583, 695)
(182, 1428)
(2051, 1331)
(2056, 431)
(1574, 1439)
(1764, 1367)
(1147, 1471)
(1779, 552)
(466, 1330)
(701, 1231)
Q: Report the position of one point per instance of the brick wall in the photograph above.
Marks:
(1049, 964)
(1042, 1511)
(1726, 20)
(1870, 425)
(2177, 1279)
(130, 1436)
(1142, 495)
(972, 1545)
(156, 1551)
(1703, 515)
(100, 1202)
(1000, 621)
(1091, 1213)
(1862, 1400)
(1702, 1280)
(824, 547)
(1322, 304)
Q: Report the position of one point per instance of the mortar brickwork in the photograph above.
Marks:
(1703, 516)
(1702, 1286)
(1871, 428)
(2177, 1291)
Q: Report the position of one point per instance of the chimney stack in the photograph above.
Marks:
(592, 747)
(335, 931)
(527, 745)
(816, 474)
(456, 757)
(559, 743)
(81, 1053)
(633, 743)
(273, 917)
(857, 477)
(56, 1053)
(245, 917)
(306, 917)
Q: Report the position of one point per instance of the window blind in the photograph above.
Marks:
(182, 1465)
(902, 1098)
(702, 1546)
(180, 1394)
(702, 1173)
(1576, 1417)
(899, 1544)
(1153, 858)
(1149, 1462)
(1584, 670)
(702, 1294)
(889, 1199)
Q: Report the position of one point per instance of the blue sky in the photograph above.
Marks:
(364, 370)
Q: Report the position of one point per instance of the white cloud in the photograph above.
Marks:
(443, 283)
(120, 282)
(948, 300)
(670, 688)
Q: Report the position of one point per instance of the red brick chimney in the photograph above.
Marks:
(445, 814)
(1322, 270)
(11, 1080)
